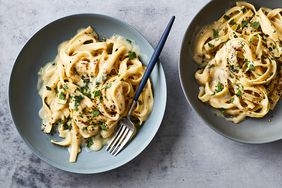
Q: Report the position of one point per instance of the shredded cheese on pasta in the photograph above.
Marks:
(89, 87)
(240, 62)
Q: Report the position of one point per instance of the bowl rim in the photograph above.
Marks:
(81, 170)
(179, 68)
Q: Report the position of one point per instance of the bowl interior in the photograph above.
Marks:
(25, 101)
(251, 130)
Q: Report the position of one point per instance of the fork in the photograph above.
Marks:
(127, 128)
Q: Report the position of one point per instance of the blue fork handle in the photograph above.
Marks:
(154, 59)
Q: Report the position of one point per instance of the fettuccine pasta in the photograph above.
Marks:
(89, 87)
(240, 62)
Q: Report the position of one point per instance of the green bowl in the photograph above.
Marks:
(25, 101)
(251, 130)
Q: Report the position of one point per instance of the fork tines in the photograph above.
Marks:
(119, 140)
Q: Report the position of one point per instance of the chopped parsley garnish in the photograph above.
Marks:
(95, 113)
(67, 126)
(89, 142)
(97, 93)
(221, 110)
(238, 93)
(244, 23)
(48, 88)
(226, 17)
(108, 85)
(65, 86)
(77, 100)
(88, 41)
(231, 22)
(84, 129)
(103, 126)
(61, 96)
(218, 87)
(210, 45)
(85, 91)
(233, 68)
(255, 25)
(244, 10)
(251, 65)
(128, 40)
(85, 79)
(215, 33)
(65, 123)
(131, 55)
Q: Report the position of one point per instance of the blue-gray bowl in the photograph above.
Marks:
(251, 130)
(25, 101)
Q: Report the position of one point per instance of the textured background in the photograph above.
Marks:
(185, 152)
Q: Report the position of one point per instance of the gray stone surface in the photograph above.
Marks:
(185, 152)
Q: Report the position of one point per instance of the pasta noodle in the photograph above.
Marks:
(240, 62)
(89, 87)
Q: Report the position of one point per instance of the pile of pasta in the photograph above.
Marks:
(89, 87)
(240, 62)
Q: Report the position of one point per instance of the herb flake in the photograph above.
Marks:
(231, 22)
(65, 123)
(77, 100)
(219, 87)
(65, 87)
(89, 142)
(61, 96)
(244, 23)
(95, 113)
(251, 66)
(103, 126)
(210, 45)
(215, 33)
(48, 88)
(244, 10)
(108, 85)
(255, 25)
(226, 17)
(238, 93)
(97, 93)
(131, 55)
(67, 126)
